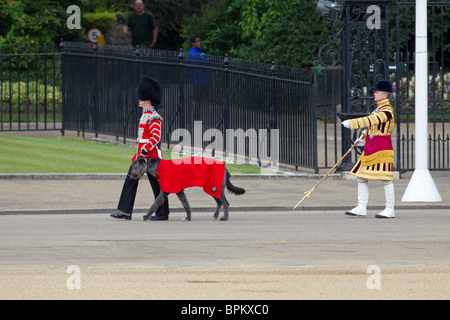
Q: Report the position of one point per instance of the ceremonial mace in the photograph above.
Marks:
(363, 134)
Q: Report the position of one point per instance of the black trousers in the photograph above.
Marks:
(128, 196)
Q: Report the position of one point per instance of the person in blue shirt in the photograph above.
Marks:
(199, 76)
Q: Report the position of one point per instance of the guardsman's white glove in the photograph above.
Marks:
(360, 142)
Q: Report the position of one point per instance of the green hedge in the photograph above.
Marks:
(33, 97)
(102, 20)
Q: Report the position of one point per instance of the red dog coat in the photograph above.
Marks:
(176, 175)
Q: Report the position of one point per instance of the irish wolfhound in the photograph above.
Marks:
(176, 175)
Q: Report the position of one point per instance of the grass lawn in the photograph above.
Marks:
(20, 154)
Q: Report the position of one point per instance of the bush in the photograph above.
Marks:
(287, 32)
(33, 97)
(102, 20)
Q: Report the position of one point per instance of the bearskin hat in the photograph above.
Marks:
(149, 89)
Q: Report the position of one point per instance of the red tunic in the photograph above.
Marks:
(176, 175)
(149, 133)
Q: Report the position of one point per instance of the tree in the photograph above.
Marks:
(287, 32)
(33, 21)
(169, 16)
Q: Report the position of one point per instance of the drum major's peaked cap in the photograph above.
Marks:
(149, 89)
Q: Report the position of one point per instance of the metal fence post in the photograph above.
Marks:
(313, 101)
(63, 91)
(274, 118)
(182, 106)
(96, 89)
(226, 62)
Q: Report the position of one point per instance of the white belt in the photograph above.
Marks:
(157, 149)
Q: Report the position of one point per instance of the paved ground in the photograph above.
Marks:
(255, 255)
(56, 233)
(91, 193)
(265, 251)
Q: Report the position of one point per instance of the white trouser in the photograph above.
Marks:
(363, 199)
(389, 194)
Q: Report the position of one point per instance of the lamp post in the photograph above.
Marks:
(328, 9)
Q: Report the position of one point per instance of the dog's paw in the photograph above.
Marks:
(186, 219)
(224, 219)
(144, 217)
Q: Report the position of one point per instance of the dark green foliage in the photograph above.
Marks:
(287, 32)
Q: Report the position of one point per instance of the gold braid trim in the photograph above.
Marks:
(384, 156)
(369, 121)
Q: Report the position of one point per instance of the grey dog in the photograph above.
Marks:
(141, 166)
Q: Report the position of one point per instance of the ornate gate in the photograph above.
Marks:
(374, 40)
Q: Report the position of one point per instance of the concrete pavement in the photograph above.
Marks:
(74, 193)
(256, 239)
(266, 250)
(258, 255)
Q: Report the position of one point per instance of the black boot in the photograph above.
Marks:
(121, 215)
(159, 218)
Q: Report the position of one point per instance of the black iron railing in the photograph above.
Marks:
(252, 110)
(30, 81)
(227, 105)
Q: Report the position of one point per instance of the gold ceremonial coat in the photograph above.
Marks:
(377, 160)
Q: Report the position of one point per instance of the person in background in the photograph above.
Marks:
(143, 27)
(200, 77)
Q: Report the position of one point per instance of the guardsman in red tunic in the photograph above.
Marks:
(377, 160)
(149, 135)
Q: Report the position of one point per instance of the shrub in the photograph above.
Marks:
(29, 96)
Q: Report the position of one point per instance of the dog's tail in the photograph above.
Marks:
(233, 189)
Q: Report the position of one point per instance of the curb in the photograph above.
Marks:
(62, 176)
(418, 206)
(116, 176)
